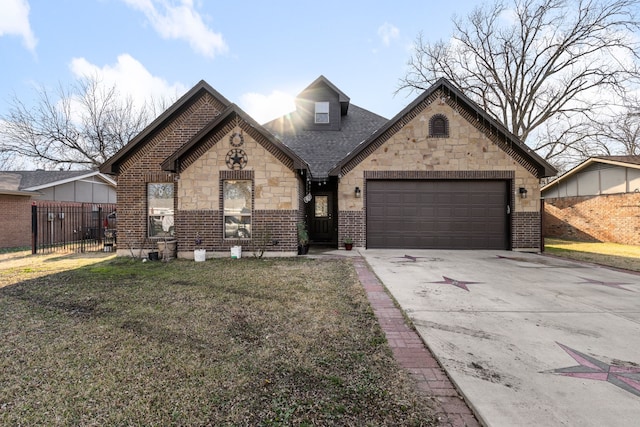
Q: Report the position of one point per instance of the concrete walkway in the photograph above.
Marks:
(411, 354)
(528, 340)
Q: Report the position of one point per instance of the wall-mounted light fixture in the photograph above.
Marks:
(523, 192)
(358, 192)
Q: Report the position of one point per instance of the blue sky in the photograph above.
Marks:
(258, 54)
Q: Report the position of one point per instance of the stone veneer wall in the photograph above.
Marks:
(607, 218)
(467, 149)
(275, 194)
(275, 185)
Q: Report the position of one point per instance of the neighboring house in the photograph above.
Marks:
(20, 189)
(440, 174)
(598, 200)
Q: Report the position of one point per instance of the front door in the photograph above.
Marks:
(321, 227)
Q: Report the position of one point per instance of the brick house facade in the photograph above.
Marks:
(321, 165)
(16, 225)
(598, 200)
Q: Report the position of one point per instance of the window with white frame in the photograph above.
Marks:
(237, 208)
(160, 209)
(322, 112)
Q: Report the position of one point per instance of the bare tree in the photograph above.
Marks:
(619, 134)
(81, 126)
(535, 61)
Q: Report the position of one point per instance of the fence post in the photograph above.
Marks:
(542, 224)
(34, 228)
(100, 225)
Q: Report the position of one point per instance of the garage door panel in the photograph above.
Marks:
(437, 214)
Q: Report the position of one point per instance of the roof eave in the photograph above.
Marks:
(20, 193)
(106, 178)
(584, 165)
(110, 167)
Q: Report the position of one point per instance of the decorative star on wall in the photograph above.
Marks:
(625, 377)
(236, 159)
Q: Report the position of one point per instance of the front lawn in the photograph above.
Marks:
(626, 257)
(224, 342)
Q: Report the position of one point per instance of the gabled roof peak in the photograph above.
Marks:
(111, 165)
(450, 91)
(342, 97)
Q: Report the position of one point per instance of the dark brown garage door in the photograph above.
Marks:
(437, 214)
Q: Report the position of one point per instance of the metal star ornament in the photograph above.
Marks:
(236, 159)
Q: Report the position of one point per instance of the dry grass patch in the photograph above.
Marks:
(626, 257)
(225, 342)
(19, 266)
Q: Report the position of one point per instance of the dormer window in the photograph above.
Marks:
(322, 112)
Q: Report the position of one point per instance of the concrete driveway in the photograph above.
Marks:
(529, 340)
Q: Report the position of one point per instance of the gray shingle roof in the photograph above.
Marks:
(28, 179)
(634, 160)
(322, 150)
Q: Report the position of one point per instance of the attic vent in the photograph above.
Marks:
(439, 126)
(322, 112)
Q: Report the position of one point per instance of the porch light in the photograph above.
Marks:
(358, 192)
(523, 192)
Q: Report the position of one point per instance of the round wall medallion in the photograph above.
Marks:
(236, 139)
(237, 159)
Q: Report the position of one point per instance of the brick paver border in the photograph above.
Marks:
(412, 354)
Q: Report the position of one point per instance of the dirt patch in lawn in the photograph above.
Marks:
(223, 342)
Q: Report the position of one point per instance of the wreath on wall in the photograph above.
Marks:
(236, 139)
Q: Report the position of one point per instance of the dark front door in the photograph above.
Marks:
(321, 227)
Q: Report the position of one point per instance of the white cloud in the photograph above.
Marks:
(181, 21)
(264, 108)
(130, 78)
(14, 20)
(388, 32)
